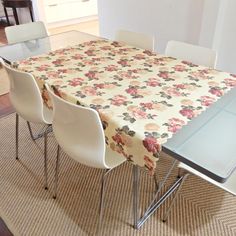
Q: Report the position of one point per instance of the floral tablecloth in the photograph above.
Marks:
(142, 98)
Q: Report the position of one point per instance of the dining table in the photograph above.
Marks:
(148, 103)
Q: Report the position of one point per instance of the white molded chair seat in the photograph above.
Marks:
(135, 39)
(24, 32)
(80, 134)
(26, 98)
(193, 53)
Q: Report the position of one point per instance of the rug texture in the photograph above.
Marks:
(29, 210)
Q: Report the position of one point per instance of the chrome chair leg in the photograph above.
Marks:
(45, 159)
(156, 180)
(174, 198)
(17, 136)
(135, 194)
(41, 133)
(56, 173)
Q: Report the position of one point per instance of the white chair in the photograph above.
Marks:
(193, 53)
(26, 98)
(135, 39)
(24, 32)
(201, 56)
(80, 134)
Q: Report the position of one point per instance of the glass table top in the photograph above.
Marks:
(20, 51)
(206, 143)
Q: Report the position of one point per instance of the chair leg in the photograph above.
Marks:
(6, 14)
(174, 198)
(30, 130)
(31, 13)
(156, 180)
(56, 173)
(101, 207)
(41, 133)
(135, 194)
(45, 160)
(17, 135)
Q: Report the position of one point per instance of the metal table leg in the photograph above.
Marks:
(156, 203)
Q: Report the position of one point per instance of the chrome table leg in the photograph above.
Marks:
(156, 203)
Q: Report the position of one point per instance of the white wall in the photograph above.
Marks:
(225, 36)
(209, 23)
(165, 19)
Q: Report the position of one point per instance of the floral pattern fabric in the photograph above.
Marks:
(142, 98)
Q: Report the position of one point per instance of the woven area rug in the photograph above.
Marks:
(29, 210)
(4, 82)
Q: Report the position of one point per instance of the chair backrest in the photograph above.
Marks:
(25, 95)
(193, 53)
(24, 32)
(139, 40)
(79, 132)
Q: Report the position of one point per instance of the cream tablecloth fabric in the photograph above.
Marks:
(142, 98)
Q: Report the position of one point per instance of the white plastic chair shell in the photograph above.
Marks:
(24, 32)
(139, 40)
(193, 53)
(79, 132)
(25, 96)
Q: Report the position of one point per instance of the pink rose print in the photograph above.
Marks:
(153, 82)
(90, 53)
(180, 86)
(149, 163)
(206, 100)
(139, 56)
(123, 62)
(58, 62)
(63, 71)
(173, 92)
(175, 124)
(91, 75)
(180, 68)
(76, 81)
(111, 68)
(100, 86)
(138, 113)
(189, 113)
(150, 143)
(147, 105)
(90, 91)
(42, 68)
(118, 139)
(216, 91)
(119, 100)
(52, 74)
(132, 90)
(164, 74)
(230, 82)
(77, 56)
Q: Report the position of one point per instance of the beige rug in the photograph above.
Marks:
(4, 82)
(29, 210)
